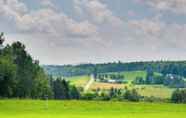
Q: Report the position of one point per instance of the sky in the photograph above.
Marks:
(96, 31)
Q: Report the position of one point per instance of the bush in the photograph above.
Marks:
(154, 99)
(89, 96)
(179, 96)
(132, 95)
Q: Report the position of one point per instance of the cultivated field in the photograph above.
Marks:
(92, 109)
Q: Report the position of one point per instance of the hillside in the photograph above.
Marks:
(158, 91)
(165, 67)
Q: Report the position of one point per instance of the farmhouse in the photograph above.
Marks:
(115, 81)
(112, 81)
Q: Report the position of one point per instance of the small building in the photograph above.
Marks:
(116, 81)
(112, 81)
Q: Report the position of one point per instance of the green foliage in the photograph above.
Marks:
(138, 81)
(174, 81)
(7, 77)
(63, 90)
(132, 95)
(20, 75)
(179, 96)
(165, 67)
(89, 96)
(74, 93)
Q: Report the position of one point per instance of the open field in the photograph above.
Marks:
(106, 86)
(91, 109)
(79, 81)
(159, 91)
(131, 75)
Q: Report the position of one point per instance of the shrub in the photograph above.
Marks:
(179, 96)
(89, 96)
(132, 95)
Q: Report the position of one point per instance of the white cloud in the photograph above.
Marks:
(176, 6)
(158, 35)
(45, 21)
(12, 9)
(97, 12)
(48, 21)
(54, 37)
(109, 26)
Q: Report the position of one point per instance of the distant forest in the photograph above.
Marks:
(164, 67)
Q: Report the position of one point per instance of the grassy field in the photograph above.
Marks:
(159, 91)
(131, 75)
(85, 109)
(79, 81)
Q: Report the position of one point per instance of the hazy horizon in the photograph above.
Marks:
(96, 31)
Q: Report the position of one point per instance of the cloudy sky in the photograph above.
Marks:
(80, 31)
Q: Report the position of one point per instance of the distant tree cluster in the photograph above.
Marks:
(170, 80)
(150, 79)
(174, 81)
(114, 94)
(164, 67)
(63, 90)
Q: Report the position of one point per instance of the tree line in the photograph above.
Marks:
(169, 80)
(23, 77)
(164, 67)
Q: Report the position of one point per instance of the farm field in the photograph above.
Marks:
(106, 86)
(89, 109)
(131, 75)
(159, 91)
(79, 81)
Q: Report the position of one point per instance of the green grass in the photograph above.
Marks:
(131, 75)
(92, 109)
(159, 91)
(79, 81)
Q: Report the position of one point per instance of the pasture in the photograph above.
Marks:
(89, 109)
(79, 81)
(159, 91)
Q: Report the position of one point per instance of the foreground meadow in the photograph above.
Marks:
(88, 109)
